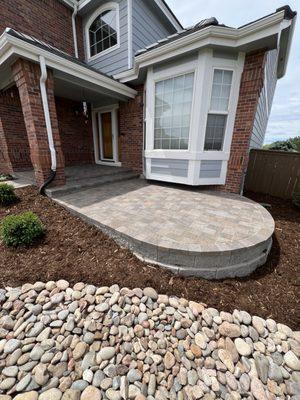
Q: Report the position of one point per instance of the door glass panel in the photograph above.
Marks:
(107, 140)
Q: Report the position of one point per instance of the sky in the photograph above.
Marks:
(284, 121)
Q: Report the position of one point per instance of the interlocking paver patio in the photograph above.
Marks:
(175, 218)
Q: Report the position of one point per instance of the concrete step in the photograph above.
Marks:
(79, 184)
(98, 172)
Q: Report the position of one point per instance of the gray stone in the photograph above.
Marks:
(79, 385)
(242, 347)
(7, 383)
(51, 394)
(134, 375)
(150, 292)
(23, 383)
(11, 345)
(262, 367)
(292, 361)
(106, 353)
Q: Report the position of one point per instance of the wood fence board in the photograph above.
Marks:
(273, 172)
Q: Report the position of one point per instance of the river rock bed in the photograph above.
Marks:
(88, 343)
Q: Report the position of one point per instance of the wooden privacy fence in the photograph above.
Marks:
(273, 172)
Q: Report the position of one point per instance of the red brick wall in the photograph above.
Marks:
(131, 132)
(251, 85)
(27, 77)
(14, 129)
(47, 20)
(75, 131)
(5, 164)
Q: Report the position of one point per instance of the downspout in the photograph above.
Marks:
(74, 29)
(43, 80)
(84, 104)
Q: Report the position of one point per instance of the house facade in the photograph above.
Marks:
(122, 83)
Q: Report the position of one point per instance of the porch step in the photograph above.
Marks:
(77, 184)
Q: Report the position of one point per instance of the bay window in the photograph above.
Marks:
(190, 113)
(173, 103)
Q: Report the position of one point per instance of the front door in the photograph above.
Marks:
(107, 135)
(106, 139)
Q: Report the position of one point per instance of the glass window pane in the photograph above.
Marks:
(157, 143)
(103, 32)
(221, 90)
(179, 83)
(173, 104)
(215, 130)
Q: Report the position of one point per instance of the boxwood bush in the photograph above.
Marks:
(296, 197)
(21, 230)
(7, 194)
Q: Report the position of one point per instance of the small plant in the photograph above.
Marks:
(21, 230)
(296, 197)
(7, 194)
(5, 177)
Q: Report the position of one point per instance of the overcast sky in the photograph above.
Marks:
(285, 117)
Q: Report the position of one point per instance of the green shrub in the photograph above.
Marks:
(7, 194)
(21, 230)
(296, 197)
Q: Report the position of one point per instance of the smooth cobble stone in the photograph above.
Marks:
(114, 343)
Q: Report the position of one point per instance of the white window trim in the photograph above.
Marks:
(96, 13)
(203, 67)
(97, 136)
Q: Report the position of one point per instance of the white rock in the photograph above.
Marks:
(242, 347)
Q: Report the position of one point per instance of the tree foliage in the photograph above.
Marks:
(292, 144)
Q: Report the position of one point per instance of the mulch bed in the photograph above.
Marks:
(75, 251)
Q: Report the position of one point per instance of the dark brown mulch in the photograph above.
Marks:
(75, 251)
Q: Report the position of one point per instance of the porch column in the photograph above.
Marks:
(27, 77)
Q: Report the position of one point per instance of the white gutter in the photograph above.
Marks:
(74, 29)
(43, 80)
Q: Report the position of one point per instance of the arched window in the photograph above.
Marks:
(103, 30)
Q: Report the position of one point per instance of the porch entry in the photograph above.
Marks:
(106, 135)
